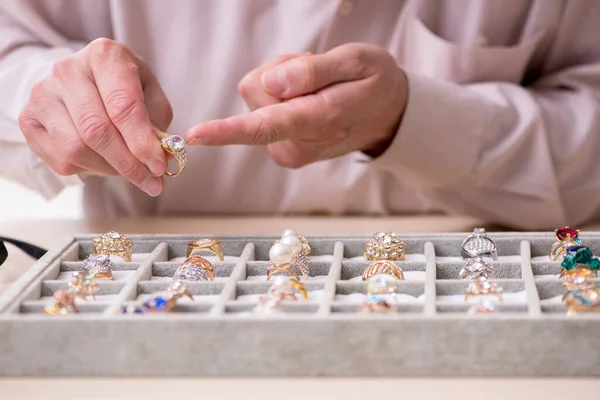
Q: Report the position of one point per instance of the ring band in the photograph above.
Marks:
(385, 246)
(195, 268)
(383, 267)
(205, 245)
(273, 269)
(113, 243)
(175, 146)
(285, 288)
(479, 244)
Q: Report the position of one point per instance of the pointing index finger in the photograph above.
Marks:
(266, 125)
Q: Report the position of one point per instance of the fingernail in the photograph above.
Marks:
(156, 167)
(274, 81)
(152, 186)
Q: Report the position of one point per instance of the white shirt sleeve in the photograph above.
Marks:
(24, 60)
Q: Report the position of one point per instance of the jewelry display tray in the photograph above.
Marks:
(218, 335)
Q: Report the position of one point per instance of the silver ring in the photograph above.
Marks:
(477, 268)
(479, 244)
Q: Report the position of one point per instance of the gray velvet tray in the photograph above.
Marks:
(217, 335)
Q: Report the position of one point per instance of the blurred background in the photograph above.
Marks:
(18, 202)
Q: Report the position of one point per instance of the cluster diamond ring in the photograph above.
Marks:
(175, 146)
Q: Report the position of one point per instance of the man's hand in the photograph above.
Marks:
(97, 113)
(308, 108)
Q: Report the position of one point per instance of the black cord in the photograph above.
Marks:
(32, 250)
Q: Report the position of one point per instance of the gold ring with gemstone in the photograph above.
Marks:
(63, 302)
(175, 146)
(113, 243)
(383, 267)
(84, 282)
(582, 294)
(385, 246)
(205, 245)
(481, 287)
(195, 268)
(565, 238)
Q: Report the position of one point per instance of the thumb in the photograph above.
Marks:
(311, 73)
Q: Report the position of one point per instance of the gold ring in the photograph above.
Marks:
(285, 288)
(385, 246)
(383, 267)
(63, 302)
(281, 269)
(482, 286)
(205, 245)
(195, 268)
(113, 243)
(582, 294)
(175, 146)
(565, 238)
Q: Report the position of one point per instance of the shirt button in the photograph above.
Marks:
(346, 8)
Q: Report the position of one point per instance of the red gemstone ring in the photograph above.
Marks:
(565, 238)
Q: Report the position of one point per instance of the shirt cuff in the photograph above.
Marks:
(440, 137)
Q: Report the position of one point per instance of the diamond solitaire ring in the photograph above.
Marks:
(385, 246)
(175, 146)
(195, 268)
(113, 243)
(479, 244)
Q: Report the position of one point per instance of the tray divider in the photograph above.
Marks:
(143, 272)
(335, 274)
(238, 274)
(430, 307)
(533, 297)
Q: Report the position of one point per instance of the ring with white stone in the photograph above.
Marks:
(479, 244)
(195, 268)
(113, 243)
(305, 246)
(379, 286)
(476, 268)
(205, 245)
(383, 267)
(281, 256)
(175, 146)
(385, 246)
(300, 249)
(99, 265)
